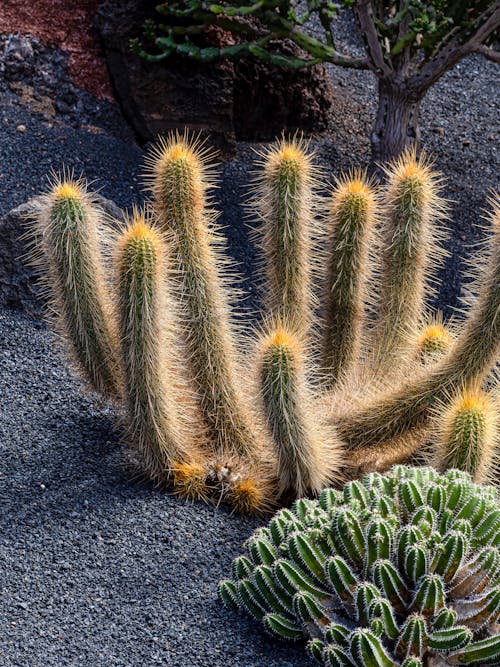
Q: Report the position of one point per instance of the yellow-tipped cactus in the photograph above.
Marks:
(410, 253)
(351, 228)
(154, 424)
(190, 479)
(196, 417)
(472, 357)
(69, 227)
(309, 456)
(284, 202)
(179, 179)
(250, 493)
(466, 429)
(434, 340)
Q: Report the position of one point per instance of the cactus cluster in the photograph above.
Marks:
(401, 569)
(348, 372)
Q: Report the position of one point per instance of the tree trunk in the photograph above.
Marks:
(396, 123)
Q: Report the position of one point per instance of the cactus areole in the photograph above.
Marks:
(401, 569)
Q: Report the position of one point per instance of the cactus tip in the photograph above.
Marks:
(190, 480)
(281, 337)
(67, 189)
(248, 496)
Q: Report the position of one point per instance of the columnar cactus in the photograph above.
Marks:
(410, 252)
(467, 433)
(350, 221)
(395, 570)
(69, 228)
(179, 179)
(472, 356)
(155, 424)
(257, 429)
(308, 455)
(284, 203)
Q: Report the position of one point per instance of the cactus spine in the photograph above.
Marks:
(394, 570)
(472, 356)
(381, 417)
(179, 180)
(352, 214)
(283, 199)
(308, 455)
(409, 254)
(155, 429)
(72, 267)
(467, 433)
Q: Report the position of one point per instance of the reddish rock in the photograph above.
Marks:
(66, 25)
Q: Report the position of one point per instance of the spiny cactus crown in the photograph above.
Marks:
(397, 569)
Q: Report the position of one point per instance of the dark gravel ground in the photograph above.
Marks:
(95, 569)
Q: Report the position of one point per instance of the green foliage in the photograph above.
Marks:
(419, 29)
(389, 571)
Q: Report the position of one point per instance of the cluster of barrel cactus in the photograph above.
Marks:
(401, 569)
(347, 373)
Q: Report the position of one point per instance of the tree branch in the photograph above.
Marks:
(454, 51)
(324, 52)
(489, 53)
(364, 12)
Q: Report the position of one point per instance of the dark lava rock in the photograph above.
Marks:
(244, 100)
(40, 77)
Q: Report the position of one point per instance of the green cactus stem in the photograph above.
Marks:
(154, 426)
(350, 222)
(368, 432)
(434, 340)
(410, 254)
(467, 433)
(179, 179)
(284, 203)
(365, 606)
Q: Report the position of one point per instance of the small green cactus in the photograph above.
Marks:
(434, 340)
(395, 570)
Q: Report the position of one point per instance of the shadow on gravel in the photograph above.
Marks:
(98, 569)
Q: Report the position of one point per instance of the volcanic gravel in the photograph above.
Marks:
(99, 570)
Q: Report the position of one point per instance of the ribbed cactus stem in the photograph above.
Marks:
(410, 253)
(467, 433)
(68, 226)
(474, 353)
(154, 425)
(308, 455)
(351, 223)
(179, 178)
(396, 570)
(284, 203)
